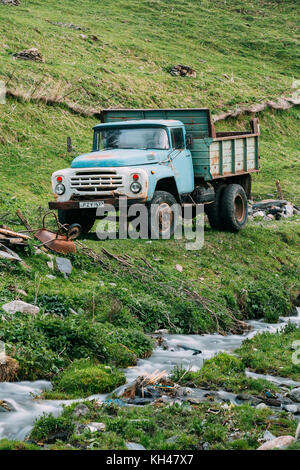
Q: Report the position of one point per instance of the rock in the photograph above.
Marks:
(29, 54)
(249, 398)
(179, 268)
(291, 408)
(269, 217)
(206, 446)
(183, 71)
(80, 410)
(5, 406)
(60, 435)
(64, 266)
(83, 36)
(295, 394)
(172, 439)
(195, 401)
(288, 210)
(161, 332)
(11, 2)
(50, 264)
(20, 306)
(268, 204)
(50, 276)
(149, 392)
(134, 446)
(9, 256)
(96, 427)
(278, 443)
(268, 436)
(140, 401)
(261, 406)
(259, 214)
(270, 401)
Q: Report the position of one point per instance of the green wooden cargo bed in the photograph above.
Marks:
(215, 154)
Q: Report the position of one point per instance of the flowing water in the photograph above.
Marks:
(183, 350)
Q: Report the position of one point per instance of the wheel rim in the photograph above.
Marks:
(165, 218)
(239, 208)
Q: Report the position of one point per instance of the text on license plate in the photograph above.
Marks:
(91, 204)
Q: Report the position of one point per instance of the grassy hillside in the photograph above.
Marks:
(127, 67)
(242, 51)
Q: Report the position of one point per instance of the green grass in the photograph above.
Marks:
(6, 444)
(224, 372)
(188, 426)
(272, 354)
(242, 51)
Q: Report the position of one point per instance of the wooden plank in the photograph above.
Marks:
(221, 157)
(233, 156)
(245, 154)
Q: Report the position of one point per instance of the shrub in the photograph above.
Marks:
(48, 428)
(84, 378)
(43, 344)
(120, 355)
(268, 299)
(53, 304)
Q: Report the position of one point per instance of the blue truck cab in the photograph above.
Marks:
(160, 157)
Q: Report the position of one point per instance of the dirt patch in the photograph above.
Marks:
(8, 369)
(29, 54)
(183, 71)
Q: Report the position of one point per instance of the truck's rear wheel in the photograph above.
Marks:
(213, 210)
(162, 212)
(85, 218)
(234, 207)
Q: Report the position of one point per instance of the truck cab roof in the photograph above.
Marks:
(142, 123)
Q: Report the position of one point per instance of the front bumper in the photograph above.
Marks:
(113, 201)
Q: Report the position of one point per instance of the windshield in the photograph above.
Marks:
(136, 138)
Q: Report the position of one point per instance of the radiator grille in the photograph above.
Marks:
(96, 182)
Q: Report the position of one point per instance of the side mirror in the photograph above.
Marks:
(189, 141)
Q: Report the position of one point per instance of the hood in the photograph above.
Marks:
(118, 157)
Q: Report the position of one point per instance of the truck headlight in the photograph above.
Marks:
(60, 189)
(135, 187)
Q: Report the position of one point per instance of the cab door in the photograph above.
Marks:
(181, 161)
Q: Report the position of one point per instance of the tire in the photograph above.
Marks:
(234, 206)
(214, 210)
(85, 219)
(162, 201)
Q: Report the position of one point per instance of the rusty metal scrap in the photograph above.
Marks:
(55, 241)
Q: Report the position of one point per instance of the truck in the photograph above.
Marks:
(158, 158)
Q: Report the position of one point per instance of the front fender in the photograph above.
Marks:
(157, 173)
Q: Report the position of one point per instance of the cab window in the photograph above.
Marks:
(177, 138)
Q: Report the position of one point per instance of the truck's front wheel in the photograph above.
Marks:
(85, 218)
(162, 215)
(234, 207)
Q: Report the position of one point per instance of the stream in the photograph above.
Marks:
(183, 350)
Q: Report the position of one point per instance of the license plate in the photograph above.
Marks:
(91, 204)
